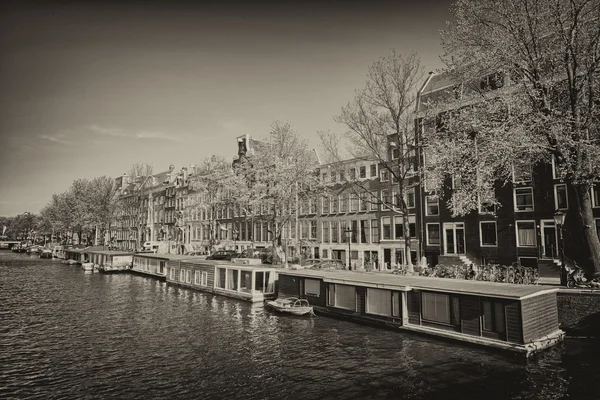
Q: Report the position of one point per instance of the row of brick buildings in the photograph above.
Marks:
(352, 226)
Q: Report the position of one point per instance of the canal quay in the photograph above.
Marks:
(67, 333)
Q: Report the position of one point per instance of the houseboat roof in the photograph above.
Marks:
(407, 283)
(168, 257)
(111, 252)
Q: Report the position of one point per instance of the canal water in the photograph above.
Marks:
(70, 334)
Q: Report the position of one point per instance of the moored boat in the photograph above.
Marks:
(46, 253)
(87, 266)
(291, 305)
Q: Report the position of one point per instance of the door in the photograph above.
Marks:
(454, 238)
(549, 239)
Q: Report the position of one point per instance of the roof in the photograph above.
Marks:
(438, 81)
(111, 252)
(407, 283)
(173, 257)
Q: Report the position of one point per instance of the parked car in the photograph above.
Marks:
(323, 263)
(197, 253)
(223, 255)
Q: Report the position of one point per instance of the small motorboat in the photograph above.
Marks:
(46, 253)
(291, 305)
(87, 266)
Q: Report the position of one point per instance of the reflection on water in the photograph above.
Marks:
(66, 333)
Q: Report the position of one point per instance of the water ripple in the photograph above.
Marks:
(67, 334)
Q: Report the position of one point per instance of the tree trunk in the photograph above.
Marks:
(584, 207)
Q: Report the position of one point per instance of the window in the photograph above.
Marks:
(432, 206)
(386, 228)
(343, 203)
(374, 231)
(385, 200)
(353, 202)
(493, 316)
(343, 296)
(526, 234)
(343, 229)
(373, 170)
(398, 228)
(196, 277)
(334, 203)
(492, 82)
(385, 175)
(364, 231)
(523, 199)
(313, 229)
(325, 253)
(561, 201)
(487, 233)
(334, 232)
(439, 308)
(486, 207)
(324, 205)
(204, 281)
(354, 228)
(364, 201)
(363, 172)
(596, 195)
(433, 234)
(325, 232)
(312, 287)
(522, 172)
(374, 202)
(312, 205)
(172, 274)
(456, 182)
(379, 302)
(352, 174)
(410, 198)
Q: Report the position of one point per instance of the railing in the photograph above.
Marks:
(515, 274)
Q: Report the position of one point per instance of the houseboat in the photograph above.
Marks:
(110, 261)
(154, 264)
(75, 254)
(237, 278)
(58, 252)
(519, 318)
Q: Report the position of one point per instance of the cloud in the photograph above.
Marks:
(60, 138)
(132, 134)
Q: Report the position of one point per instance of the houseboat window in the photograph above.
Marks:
(232, 279)
(436, 307)
(493, 316)
(188, 276)
(196, 277)
(269, 282)
(312, 287)
(204, 281)
(176, 275)
(331, 294)
(259, 283)
(246, 281)
(172, 274)
(379, 301)
(345, 297)
(221, 278)
(161, 268)
(395, 304)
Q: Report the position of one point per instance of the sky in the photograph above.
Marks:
(88, 88)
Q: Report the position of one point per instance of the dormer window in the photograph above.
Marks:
(352, 174)
(363, 172)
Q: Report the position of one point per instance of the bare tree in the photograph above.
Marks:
(544, 57)
(379, 122)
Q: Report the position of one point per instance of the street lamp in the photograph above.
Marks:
(349, 232)
(559, 220)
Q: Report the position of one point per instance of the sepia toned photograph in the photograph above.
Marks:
(300, 200)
